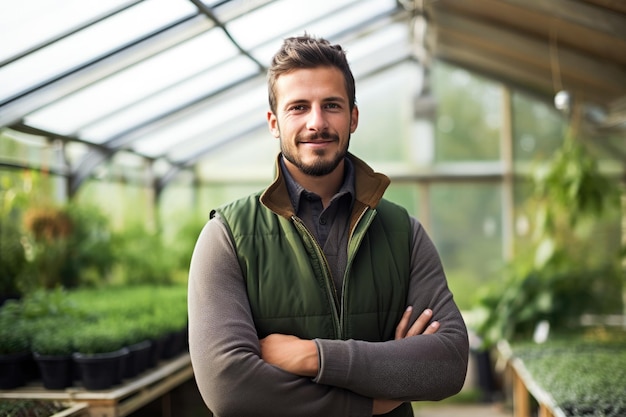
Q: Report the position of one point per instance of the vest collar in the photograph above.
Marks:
(369, 188)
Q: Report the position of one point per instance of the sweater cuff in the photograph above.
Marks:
(334, 362)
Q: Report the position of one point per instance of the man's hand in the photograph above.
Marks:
(420, 326)
(290, 353)
(300, 356)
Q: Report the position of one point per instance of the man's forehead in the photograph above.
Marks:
(327, 82)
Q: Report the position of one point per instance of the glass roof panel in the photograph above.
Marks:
(193, 91)
(91, 43)
(353, 15)
(189, 91)
(220, 135)
(135, 83)
(29, 23)
(387, 45)
(200, 122)
(278, 18)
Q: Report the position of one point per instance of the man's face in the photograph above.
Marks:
(313, 120)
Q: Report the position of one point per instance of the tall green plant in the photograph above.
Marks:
(12, 252)
(69, 245)
(558, 280)
(143, 257)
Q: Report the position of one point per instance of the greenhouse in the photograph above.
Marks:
(500, 123)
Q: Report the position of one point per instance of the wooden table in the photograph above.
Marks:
(524, 387)
(122, 399)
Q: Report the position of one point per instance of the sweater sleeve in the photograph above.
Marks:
(224, 347)
(423, 367)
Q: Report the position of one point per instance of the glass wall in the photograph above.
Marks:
(457, 189)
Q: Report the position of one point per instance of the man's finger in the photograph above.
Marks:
(420, 324)
(432, 328)
(402, 327)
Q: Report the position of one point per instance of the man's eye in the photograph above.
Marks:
(298, 107)
(332, 106)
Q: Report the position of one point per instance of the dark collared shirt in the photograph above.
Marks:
(329, 225)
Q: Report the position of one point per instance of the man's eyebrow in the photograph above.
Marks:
(335, 98)
(331, 99)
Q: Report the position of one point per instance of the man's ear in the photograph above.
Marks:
(272, 123)
(354, 119)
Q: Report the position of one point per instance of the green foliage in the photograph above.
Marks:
(12, 258)
(30, 408)
(558, 280)
(42, 304)
(54, 338)
(68, 246)
(14, 337)
(146, 311)
(184, 240)
(558, 293)
(12, 253)
(585, 374)
(101, 337)
(143, 257)
(89, 321)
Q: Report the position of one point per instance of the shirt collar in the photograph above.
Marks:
(296, 191)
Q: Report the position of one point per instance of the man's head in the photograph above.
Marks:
(308, 52)
(312, 108)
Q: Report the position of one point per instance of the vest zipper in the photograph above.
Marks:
(331, 290)
(351, 254)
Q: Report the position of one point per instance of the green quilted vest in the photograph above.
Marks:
(289, 284)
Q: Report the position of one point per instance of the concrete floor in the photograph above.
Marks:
(463, 410)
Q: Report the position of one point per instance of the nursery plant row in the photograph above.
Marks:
(63, 333)
(585, 373)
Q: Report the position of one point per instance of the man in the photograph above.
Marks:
(318, 297)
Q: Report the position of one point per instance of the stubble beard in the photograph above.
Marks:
(320, 166)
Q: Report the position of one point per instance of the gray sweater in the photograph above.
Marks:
(235, 381)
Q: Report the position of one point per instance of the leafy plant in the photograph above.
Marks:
(55, 338)
(98, 338)
(68, 245)
(44, 304)
(14, 338)
(558, 280)
(12, 253)
(143, 257)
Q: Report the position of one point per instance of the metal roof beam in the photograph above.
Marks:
(13, 110)
(68, 32)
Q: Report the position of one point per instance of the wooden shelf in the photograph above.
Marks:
(524, 387)
(122, 399)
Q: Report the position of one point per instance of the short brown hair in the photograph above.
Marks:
(309, 52)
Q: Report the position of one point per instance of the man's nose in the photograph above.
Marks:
(317, 119)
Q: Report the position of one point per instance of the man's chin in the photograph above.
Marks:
(319, 167)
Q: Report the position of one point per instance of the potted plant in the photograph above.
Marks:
(52, 349)
(100, 354)
(139, 347)
(12, 260)
(14, 353)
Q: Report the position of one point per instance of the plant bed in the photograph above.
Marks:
(80, 323)
(40, 408)
(584, 373)
(14, 355)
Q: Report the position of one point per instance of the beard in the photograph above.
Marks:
(320, 166)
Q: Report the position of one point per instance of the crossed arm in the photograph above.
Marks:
(230, 363)
(301, 357)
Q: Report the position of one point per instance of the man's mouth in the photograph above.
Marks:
(320, 138)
